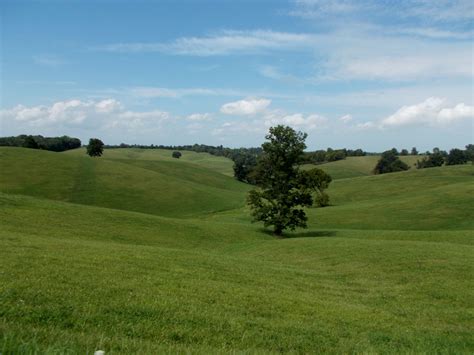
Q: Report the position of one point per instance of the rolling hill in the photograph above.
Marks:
(357, 166)
(155, 255)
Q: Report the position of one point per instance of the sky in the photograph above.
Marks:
(370, 74)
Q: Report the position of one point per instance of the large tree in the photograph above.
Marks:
(284, 190)
(95, 147)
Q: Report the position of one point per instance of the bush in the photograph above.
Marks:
(176, 154)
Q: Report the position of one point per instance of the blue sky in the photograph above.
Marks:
(369, 74)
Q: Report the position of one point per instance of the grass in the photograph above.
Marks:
(77, 275)
(218, 164)
(358, 166)
(143, 186)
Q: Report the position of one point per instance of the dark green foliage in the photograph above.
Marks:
(176, 154)
(244, 166)
(284, 189)
(414, 151)
(318, 181)
(404, 152)
(431, 161)
(55, 144)
(456, 156)
(30, 143)
(95, 147)
(390, 163)
(470, 152)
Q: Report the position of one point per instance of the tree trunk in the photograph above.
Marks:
(278, 231)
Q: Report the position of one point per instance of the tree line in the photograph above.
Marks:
(55, 144)
(390, 162)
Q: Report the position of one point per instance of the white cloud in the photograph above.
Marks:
(245, 107)
(220, 43)
(199, 117)
(296, 120)
(108, 113)
(433, 112)
(345, 118)
(159, 92)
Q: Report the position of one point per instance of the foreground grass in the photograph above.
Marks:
(78, 278)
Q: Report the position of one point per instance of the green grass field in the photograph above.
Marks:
(136, 252)
(358, 166)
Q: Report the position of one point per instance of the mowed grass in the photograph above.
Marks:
(218, 164)
(142, 186)
(366, 276)
(358, 166)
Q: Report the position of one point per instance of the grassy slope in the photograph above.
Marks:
(98, 278)
(79, 278)
(218, 164)
(357, 166)
(142, 186)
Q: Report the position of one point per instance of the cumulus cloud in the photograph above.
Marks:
(108, 113)
(433, 111)
(297, 120)
(245, 107)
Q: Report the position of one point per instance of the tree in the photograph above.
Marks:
(389, 162)
(30, 143)
(244, 165)
(470, 152)
(176, 154)
(404, 152)
(430, 161)
(456, 156)
(414, 151)
(283, 190)
(95, 147)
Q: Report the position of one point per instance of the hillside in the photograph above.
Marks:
(218, 164)
(357, 166)
(142, 186)
(159, 256)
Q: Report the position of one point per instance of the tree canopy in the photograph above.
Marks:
(284, 190)
(95, 147)
(389, 162)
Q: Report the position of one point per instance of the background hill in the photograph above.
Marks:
(357, 166)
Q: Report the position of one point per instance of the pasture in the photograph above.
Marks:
(139, 252)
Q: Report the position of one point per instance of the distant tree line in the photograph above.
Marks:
(390, 162)
(55, 144)
(440, 157)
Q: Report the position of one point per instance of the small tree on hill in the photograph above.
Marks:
(95, 147)
(414, 151)
(284, 189)
(176, 154)
(404, 152)
(389, 163)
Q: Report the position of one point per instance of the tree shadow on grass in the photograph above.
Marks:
(305, 234)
